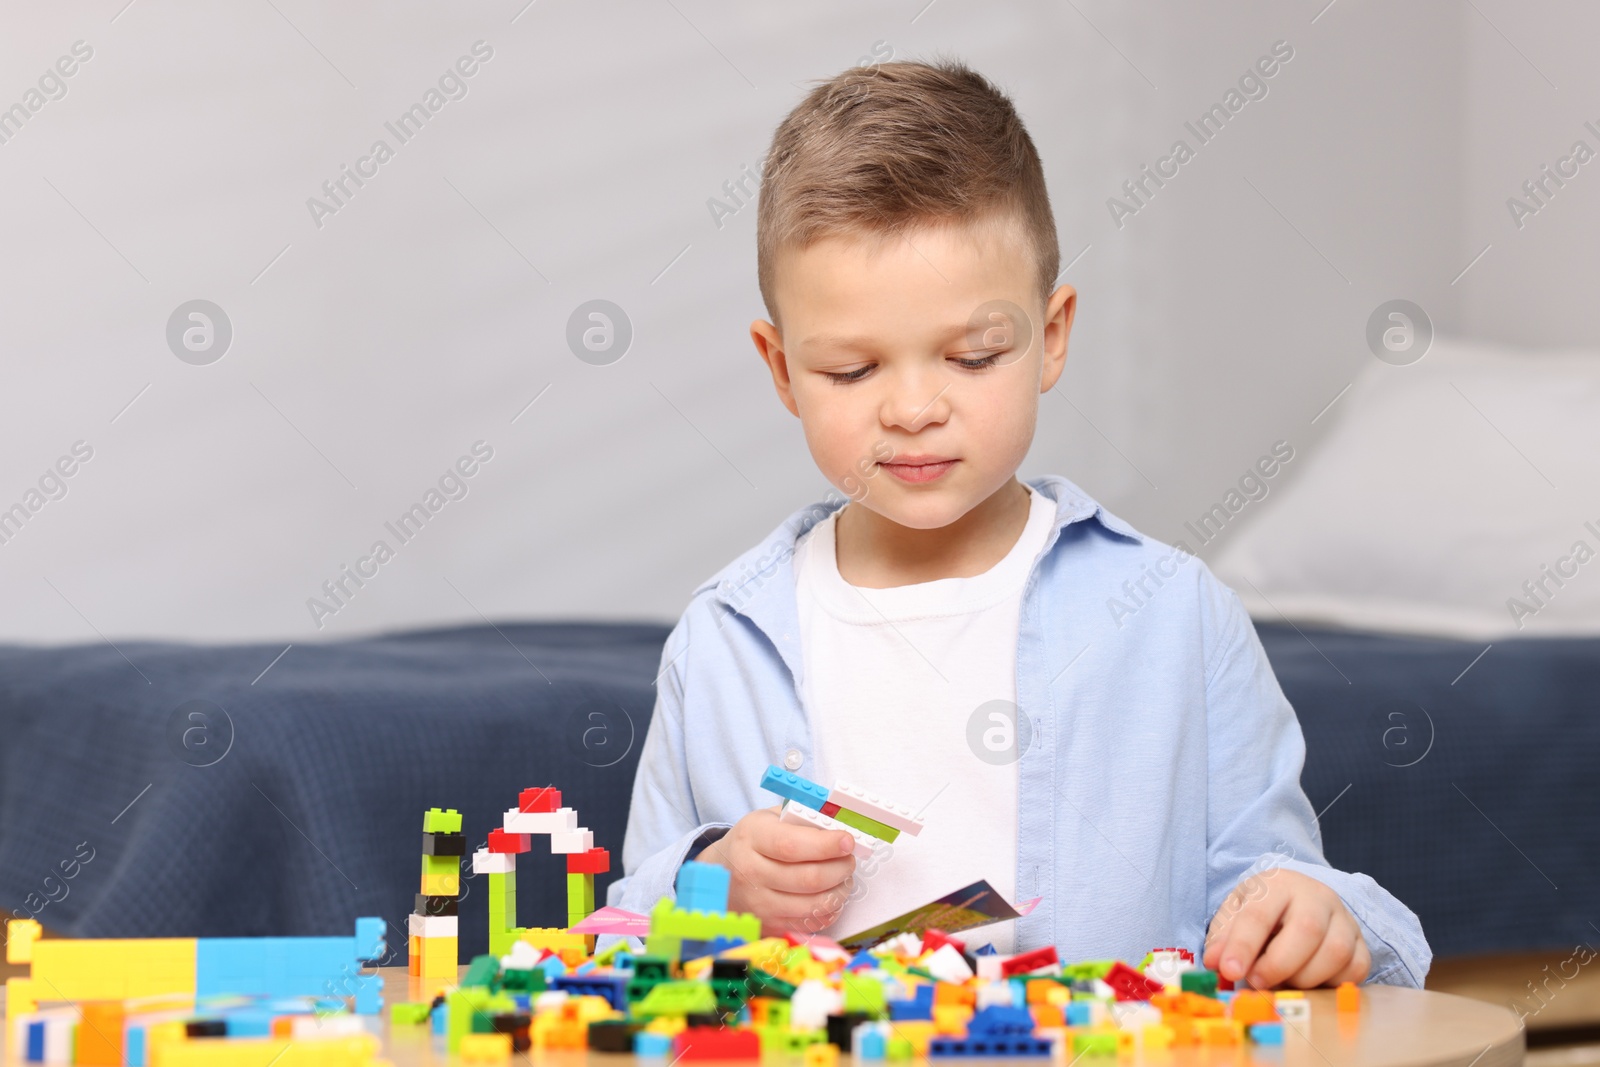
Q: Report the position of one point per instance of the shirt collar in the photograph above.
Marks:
(760, 583)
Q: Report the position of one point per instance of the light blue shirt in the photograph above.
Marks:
(1163, 767)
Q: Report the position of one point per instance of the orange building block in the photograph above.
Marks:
(1252, 1006)
(1348, 998)
(100, 1035)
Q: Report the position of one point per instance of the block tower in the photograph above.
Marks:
(539, 811)
(433, 925)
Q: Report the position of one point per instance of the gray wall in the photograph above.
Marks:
(371, 351)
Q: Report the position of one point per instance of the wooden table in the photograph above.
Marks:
(1395, 1028)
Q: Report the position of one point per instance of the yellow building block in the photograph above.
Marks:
(1157, 1037)
(442, 885)
(114, 969)
(1219, 1031)
(20, 936)
(917, 1031)
(359, 1050)
(556, 940)
(485, 1048)
(820, 1054)
(19, 1002)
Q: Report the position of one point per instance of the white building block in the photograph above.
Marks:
(801, 815)
(486, 862)
(989, 967)
(569, 841)
(540, 822)
(947, 965)
(432, 925)
(811, 1005)
(872, 806)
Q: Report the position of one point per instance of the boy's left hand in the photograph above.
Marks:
(1281, 927)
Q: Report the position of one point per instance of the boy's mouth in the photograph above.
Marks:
(919, 468)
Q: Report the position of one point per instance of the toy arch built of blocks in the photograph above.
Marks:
(539, 812)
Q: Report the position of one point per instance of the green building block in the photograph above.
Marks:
(1199, 981)
(1087, 969)
(441, 821)
(677, 998)
(648, 972)
(777, 1013)
(441, 864)
(482, 971)
(502, 913)
(763, 984)
(899, 1049)
(523, 980)
(1094, 1043)
(580, 893)
(670, 926)
(871, 827)
(460, 1006)
(865, 995)
(410, 1013)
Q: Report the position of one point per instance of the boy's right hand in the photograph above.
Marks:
(791, 877)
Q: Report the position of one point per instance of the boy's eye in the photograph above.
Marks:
(973, 363)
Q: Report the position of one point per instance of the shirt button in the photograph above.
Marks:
(793, 758)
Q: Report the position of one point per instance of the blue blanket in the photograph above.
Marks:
(168, 790)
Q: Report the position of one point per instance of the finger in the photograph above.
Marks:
(793, 843)
(1249, 929)
(1300, 937)
(1360, 964)
(800, 912)
(1331, 958)
(807, 879)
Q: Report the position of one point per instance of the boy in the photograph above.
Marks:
(949, 638)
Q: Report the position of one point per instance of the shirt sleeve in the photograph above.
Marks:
(1258, 816)
(663, 825)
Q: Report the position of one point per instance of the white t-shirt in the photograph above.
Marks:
(892, 680)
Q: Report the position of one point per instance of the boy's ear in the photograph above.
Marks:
(770, 344)
(1058, 314)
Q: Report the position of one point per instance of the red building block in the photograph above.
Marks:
(933, 938)
(539, 798)
(502, 842)
(711, 1043)
(1029, 961)
(1129, 984)
(594, 861)
(830, 809)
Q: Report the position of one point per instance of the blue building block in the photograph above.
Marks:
(1266, 1033)
(871, 1045)
(987, 950)
(249, 1022)
(791, 786)
(613, 987)
(1077, 1013)
(703, 887)
(646, 1043)
(993, 1032)
(920, 1006)
(36, 1042)
(294, 966)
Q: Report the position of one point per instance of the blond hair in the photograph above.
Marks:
(881, 150)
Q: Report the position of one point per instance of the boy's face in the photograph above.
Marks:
(917, 389)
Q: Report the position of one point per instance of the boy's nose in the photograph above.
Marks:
(914, 406)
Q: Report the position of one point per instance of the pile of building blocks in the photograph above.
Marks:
(709, 987)
(115, 1002)
(432, 928)
(870, 821)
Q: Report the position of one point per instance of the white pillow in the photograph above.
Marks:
(1457, 496)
